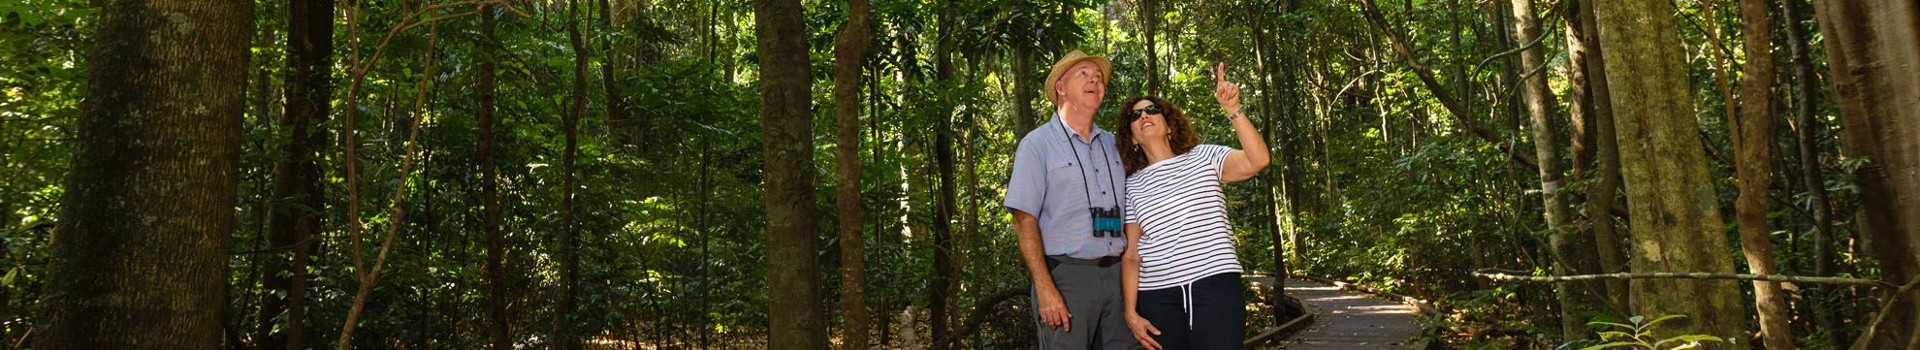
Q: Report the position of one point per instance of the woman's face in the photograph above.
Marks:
(1149, 121)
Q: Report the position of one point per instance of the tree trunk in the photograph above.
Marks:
(944, 272)
(1539, 105)
(569, 255)
(849, 52)
(1149, 21)
(796, 317)
(620, 123)
(1585, 153)
(297, 178)
(497, 336)
(1807, 137)
(1602, 192)
(1275, 188)
(140, 258)
(1754, 132)
(1454, 106)
(1870, 48)
(1677, 225)
(1024, 116)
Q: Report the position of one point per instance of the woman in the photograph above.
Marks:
(1180, 276)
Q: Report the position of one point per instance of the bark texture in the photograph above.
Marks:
(1538, 100)
(1754, 129)
(1876, 72)
(1670, 197)
(139, 257)
(1603, 192)
(796, 317)
(849, 51)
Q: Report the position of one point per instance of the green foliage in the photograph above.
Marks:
(1372, 179)
(1640, 335)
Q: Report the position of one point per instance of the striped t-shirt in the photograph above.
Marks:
(1183, 219)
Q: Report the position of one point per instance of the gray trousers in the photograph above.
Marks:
(1092, 295)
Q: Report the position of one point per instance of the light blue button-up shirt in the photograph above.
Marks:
(1057, 177)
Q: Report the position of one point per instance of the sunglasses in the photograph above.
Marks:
(1135, 114)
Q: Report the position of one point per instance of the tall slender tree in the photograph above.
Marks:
(1871, 51)
(620, 123)
(1538, 99)
(1149, 23)
(1670, 198)
(497, 336)
(849, 53)
(1807, 140)
(297, 177)
(1605, 187)
(1753, 132)
(569, 251)
(796, 316)
(140, 261)
(942, 293)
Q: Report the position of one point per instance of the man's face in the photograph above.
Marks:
(1083, 86)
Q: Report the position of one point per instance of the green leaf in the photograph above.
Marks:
(1691, 340)
(1618, 344)
(1661, 319)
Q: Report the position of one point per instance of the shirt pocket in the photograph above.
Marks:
(1065, 172)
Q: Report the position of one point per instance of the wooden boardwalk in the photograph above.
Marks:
(1350, 320)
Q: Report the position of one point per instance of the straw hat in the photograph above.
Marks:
(1074, 57)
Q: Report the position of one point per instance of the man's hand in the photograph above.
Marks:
(1224, 91)
(1143, 331)
(1053, 310)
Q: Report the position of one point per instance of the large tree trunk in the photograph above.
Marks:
(1754, 131)
(1676, 221)
(1807, 137)
(1606, 184)
(490, 190)
(297, 178)
(140, 257)
(796, 316)
(1871, 50)
(1538, 100)
(849, 52)
(569, 252)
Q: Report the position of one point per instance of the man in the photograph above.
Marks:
(1065, 195)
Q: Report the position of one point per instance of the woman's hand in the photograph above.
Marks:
(1143, 331)
(1225, 92)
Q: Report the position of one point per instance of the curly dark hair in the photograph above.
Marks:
(1180, 133)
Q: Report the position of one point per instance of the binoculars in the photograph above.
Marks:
(1106, 222)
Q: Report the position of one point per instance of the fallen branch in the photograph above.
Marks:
(1512, 275)
(980, 311)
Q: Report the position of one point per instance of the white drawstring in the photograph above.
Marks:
(1186, 302)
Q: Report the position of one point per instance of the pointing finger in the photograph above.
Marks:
(1220, 72)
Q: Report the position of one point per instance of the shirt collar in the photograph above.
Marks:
(1075, 134)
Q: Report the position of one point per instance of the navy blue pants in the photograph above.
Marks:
(1209, 314)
